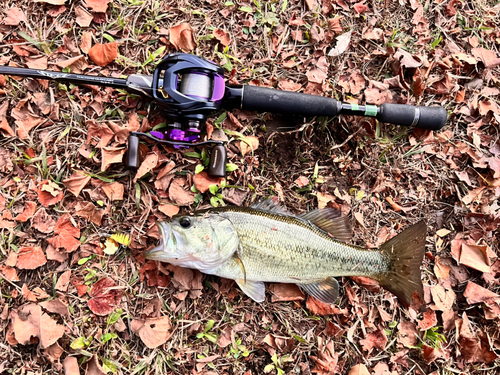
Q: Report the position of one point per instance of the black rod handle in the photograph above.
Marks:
(433, 118)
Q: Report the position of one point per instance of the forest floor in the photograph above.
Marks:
(73, 301)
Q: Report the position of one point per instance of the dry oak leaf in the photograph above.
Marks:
(377, 340)
(428, 321)
(104, 298)
(443, 298)
(168, 209)
(89, 212)
(14, 17)
(97, 5)
(408, 334)
(30, 258)
(5, 127)
(320, 308)
(9, 273)
(56, 306)
(70, 366)
(182, 37)
(103, 54)
(53, 2)
(477, 294)
(43, 222)
(49, 193)
(29, 321)
(111, 155)
(249, 144)
(76, 182)
(83, 19)
(286, 292)
(28, 294)
(178, 194)
(65, 224)
(150, 162)
(37, 63)
(343, 41)
(488, 57)
(222, 37)
(327, 360)
(287, 85)
(406, 59)
(114, 191)
(23, 127)
(28, 212)
(476, 257)
(86, 43)
(153, 332)
(94, 368)
(359, 369)
(64, 240)
(63, 281)
(203, 181)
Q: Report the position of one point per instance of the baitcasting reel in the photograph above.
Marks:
(189, 89)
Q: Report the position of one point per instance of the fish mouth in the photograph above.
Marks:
(158, 252)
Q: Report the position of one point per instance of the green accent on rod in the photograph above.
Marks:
(371, 110)
(355, 107)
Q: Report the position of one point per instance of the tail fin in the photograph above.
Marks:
(405, 254)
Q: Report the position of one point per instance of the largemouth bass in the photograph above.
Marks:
(264, 243)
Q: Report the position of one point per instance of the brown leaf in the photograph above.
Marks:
(443, 298)
(366, 282)
(104, 298)
(64, 240)
(63, 64)
(49, 193)
(488, 57)
(168, 209)
(343, 41)
(441, 270)
(23, 127)
(320, 308)
(14, 17)
(65, 225)
(327, 360)
(182, 37)
(37, 63)
(5, 127)
(53, 352)
(98, 133)
(377, 340)
(70, 366)
(111, 155)
(149, 163)
(287, 85)
(97, 5)
(203, 181)
(53, 2)
(406, 59)
(477, 294)
(9, 273)
(103, 54)
(234, 196)
(29, 321)
(28, 212)
(153, 332)
(28, 294)
(178, 194)
(114, 191)
(302, 181)
(360, 8)
(63, 281)
(83, 19)
(86, 43)
(286, 292)
(76, 182)
(312, 5)
(222, 37)
(94, 368)
(30, 258)
(408, 334)
(428, 321)
(476, 257)
(249, 144)
(89, 212)
(359, 369)
(55, 306)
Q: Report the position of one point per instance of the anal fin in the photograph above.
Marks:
(253, 289)
(326, 290)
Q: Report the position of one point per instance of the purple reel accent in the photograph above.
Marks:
(219, 88)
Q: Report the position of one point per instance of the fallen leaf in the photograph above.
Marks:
(28, 212)
(234, 196)
(66, 63)
(168, 209)
(94, 368)
(104, 297)
(97, 5)
(359, 369)
(203, 181)
(286, 292)
(377, 340)
(49, 193)
(65, 224)
(287, 85)
(443, 298)
(153, 332)
(360, 8)
(302, 181)
(182, 37)
(23, 127)
(428, 321)
(178, 194)
(324, 198)
(83, 19)
(150, 162)
(488, 57)
(14, 17)
(76, 182)
(114, 191)
(9, 273)
(408, 334)
(55, 306)
(89, 212)
(441, 270)
(476, 257)
(320, 308)
(5, 127)
(63, 281)
(249, 144)
(28, 294)
(343, 41)
(477, 294)
(111, 155)
(366, 282)
(98, 133)
(53, 2)
(37, 63)
(222, 37)
(29, 321)
(30, 258)
(406, 59)
(103, 54)
(64, 240)
(327, 361)
(70, 366)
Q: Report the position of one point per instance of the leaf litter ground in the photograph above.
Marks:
(69, 306)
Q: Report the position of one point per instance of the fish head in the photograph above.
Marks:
(200, 241)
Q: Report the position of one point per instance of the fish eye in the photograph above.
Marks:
(185, 222)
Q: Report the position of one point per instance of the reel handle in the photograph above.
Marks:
(217, 163)
(131, 159)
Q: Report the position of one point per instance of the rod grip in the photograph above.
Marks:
(264, 99)
(132, 154)
(433, 118)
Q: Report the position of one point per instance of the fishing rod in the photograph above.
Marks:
(188, 89)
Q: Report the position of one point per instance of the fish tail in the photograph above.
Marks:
(405, 254)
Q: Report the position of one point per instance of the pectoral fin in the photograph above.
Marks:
(242, 266)
(253, 289)
(326, 290)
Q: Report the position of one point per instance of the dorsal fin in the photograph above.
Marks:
(331, 221)
(269, 205)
